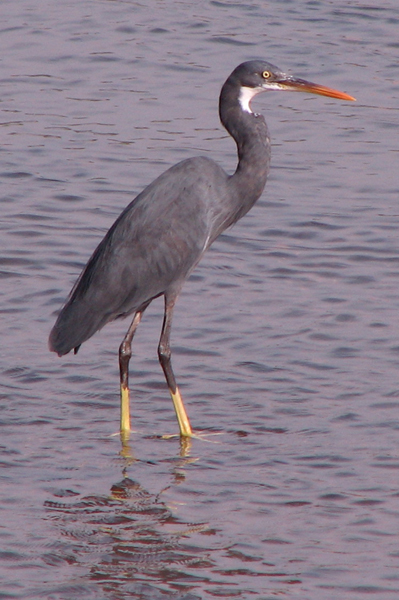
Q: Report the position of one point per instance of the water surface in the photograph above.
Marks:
(285, 338)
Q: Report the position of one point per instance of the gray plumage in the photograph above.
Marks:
(162, 234)
(159, 238)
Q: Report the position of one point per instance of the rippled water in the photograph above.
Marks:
(285, 338)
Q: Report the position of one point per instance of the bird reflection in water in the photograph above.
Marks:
(129, 540)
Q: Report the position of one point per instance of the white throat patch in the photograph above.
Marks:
(245, 97)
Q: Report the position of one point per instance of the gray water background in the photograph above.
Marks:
(286, 336)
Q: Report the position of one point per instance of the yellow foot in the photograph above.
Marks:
(123, 434)
(125, 409)
(199, 435)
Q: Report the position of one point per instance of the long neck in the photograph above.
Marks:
(253, 146)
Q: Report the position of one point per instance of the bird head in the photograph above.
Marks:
(257, 76)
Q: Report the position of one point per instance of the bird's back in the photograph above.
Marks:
(154, 244)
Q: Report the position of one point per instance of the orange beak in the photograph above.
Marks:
(301, 85)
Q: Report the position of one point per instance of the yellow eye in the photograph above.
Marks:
(266, 74)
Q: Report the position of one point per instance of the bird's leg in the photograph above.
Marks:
(164, 354)
(125, 352)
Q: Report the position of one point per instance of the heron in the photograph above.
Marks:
(160, 237)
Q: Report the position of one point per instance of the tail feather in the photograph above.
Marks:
(76, 323)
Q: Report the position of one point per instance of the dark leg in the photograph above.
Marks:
(164, 354)
(125, 352)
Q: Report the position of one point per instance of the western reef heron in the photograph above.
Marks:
(162, 234)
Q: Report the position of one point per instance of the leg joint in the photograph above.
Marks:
(164, 353)
(125, 350)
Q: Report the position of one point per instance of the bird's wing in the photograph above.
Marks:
(155, 242)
